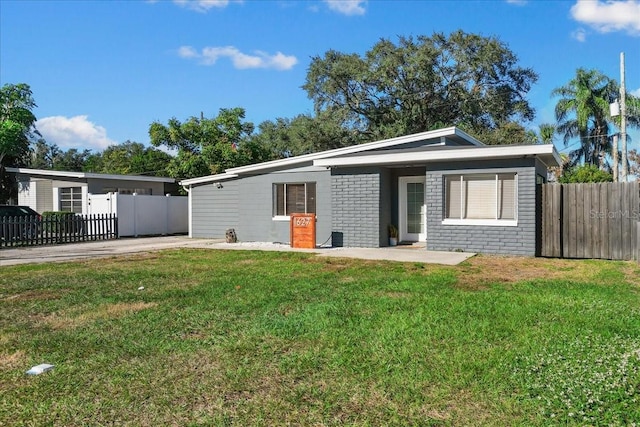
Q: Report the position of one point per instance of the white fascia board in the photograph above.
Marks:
(208, 178)
(291, 161)
(507, 151)
(468, 137)
(86, 175)
(45, 172)
(434, 134)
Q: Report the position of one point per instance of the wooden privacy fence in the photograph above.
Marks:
(37, 230)
(591, 220)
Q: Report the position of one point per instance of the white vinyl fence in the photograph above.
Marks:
(143, 215)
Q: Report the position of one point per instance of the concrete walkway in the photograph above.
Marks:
(109, 248)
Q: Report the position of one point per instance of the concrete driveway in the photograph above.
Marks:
(109, 248)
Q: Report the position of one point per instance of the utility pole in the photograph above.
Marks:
(616, 160)
(623, 121)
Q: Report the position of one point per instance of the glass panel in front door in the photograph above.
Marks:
(415, 211)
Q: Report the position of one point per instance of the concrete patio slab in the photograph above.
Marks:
(409, 253)
(119, 247)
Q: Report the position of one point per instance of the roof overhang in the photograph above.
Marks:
(545, 153)
(438, 134)
(209, 178)
(87, 175)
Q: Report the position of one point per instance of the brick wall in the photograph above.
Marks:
(516, 240)
(355, 201)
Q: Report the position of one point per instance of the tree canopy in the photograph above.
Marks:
(305, 134)
(585, 173)
(583, 112)
(17, 128)
(130, 158)
(422, 83)
(50, 156)
(209, 146)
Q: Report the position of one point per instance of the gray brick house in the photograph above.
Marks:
(441, 187)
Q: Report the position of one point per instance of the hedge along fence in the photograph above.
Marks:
(55, 228)
(61, 222)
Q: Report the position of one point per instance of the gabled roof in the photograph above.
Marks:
(450, 133)
(86, 175)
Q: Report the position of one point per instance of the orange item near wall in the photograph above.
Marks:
(302, 230)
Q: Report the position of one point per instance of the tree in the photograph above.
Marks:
(304, 134)
(424, 83)
(509, 133)
(634, 163)
(207, 146)
(583, 112)
(585, 173)
(50, 156)
(43, 155)
(547, 133)
(73, 160)
(17, 128)
(131, 158)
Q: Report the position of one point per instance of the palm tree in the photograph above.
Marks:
(546, 133)
(583, 112)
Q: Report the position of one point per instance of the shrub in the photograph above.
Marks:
(585, 173)
(64, 222)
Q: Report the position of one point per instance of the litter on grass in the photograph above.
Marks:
(40, 369)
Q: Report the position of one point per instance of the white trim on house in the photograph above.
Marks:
(546, 153)
(208, 178)
(483, 222)
(403, 233)
(440, 134)
(87, 175)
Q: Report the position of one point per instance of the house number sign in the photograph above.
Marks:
(303, 230)
(303, 221)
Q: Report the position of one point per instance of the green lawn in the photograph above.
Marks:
(265, 338)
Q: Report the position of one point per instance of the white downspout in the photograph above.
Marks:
(189, 209)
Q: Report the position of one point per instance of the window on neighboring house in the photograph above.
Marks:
(488, 198)
(294, 198)
(71, 199)
(139, 191)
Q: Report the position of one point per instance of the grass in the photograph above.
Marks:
(264, 338)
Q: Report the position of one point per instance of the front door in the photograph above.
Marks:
(411, 212)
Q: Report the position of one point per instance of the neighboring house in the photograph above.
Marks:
(441, 187)
(48, 190)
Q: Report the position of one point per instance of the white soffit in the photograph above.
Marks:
(87, 175)
(208, 178)
(546, 152)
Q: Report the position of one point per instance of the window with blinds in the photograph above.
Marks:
(294, 198)
(481, 197)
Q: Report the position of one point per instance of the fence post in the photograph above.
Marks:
(637, 251)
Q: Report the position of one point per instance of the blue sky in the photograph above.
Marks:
(102, 71)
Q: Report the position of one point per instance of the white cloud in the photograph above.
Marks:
(74, 132)
(636, 92)
(580, 34)
(347, 7)
(609, 16)
(187, 52)
(203, 6)
(517, 2)
(241, 61)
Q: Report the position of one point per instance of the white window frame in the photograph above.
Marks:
(482, 222)
(74, 191)
(274, 196)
